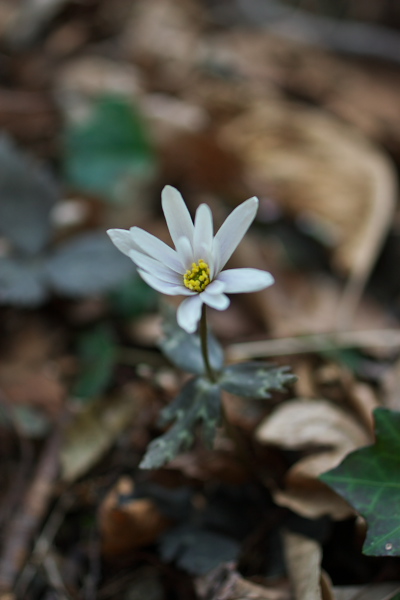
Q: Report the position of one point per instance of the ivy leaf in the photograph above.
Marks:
(368, 479)
(27, 195)
(109, 153)
(198, 402)
(255, 379)
(184, 349)
(87, 264)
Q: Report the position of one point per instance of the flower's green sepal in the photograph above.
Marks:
(255, 379)
(199, 402)
(184, 349)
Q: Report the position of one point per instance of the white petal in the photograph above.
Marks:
(163, 286)
(178, 218)
(245, 280)
(154, 267)
(185, 253)
(203, 232)
(215, 287)
(233, 229)
(122, 239)
(189, 313)
(218, 301)
(149, 244)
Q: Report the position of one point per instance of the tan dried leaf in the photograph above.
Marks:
(332, 433)
(324, 174)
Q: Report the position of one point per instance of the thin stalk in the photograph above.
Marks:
(204, 345)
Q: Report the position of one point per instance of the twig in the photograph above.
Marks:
(318, 342)
(43, 544)
(27, 519)
(352, 37)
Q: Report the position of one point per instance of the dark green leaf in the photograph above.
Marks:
(184, 349)
(198, 402)
(87, 264)
(27, 195)
(133, 298)
(97, 352)
(109, 153)
(22, 282)
(255, 379)
(198, 551)
(368, 479)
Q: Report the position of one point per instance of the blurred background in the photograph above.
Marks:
(102, 104)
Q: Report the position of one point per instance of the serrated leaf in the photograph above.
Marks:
(110, 152)
(22, 282)
(198, 402)
(255, 379)
(368, 479)
(86, 265)
(97, 352)
(198, 551)
(27, 195)
(184, 349)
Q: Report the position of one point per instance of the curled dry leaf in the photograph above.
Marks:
(225, 583)
(303, 560)
(127, 522)
(325, 175)
(303, 425)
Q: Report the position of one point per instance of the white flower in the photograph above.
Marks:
(194, 268)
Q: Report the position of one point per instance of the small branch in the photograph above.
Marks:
(319, 342)
(27, 519)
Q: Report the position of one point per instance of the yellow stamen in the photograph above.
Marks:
(198, 277)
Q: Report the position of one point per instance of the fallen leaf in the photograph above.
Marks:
(95, 428)
(328, 177)
(225, 583)
(126, 522)
(331, 433)
(303, 560)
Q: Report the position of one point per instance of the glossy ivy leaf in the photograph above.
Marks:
(368, 479)
(87, 264)
(184, 349)
(97, 352)
(199, 402)
(110, 152)
(27, 195)
(255, 379)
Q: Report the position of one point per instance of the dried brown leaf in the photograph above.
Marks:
(306, 425)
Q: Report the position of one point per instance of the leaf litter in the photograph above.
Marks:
(221, 112)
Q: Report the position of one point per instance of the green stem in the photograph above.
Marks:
(204, 345)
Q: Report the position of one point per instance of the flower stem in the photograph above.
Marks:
(204, 345)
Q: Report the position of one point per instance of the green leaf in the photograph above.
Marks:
(184, 349)
(133, 298)
(23, 282)
(368, 479)
(27, 193)
(110, 152)
(98, 353)
(86, 265)
(198, 402)
(255, 379)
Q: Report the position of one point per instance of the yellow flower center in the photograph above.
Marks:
(198, 277)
